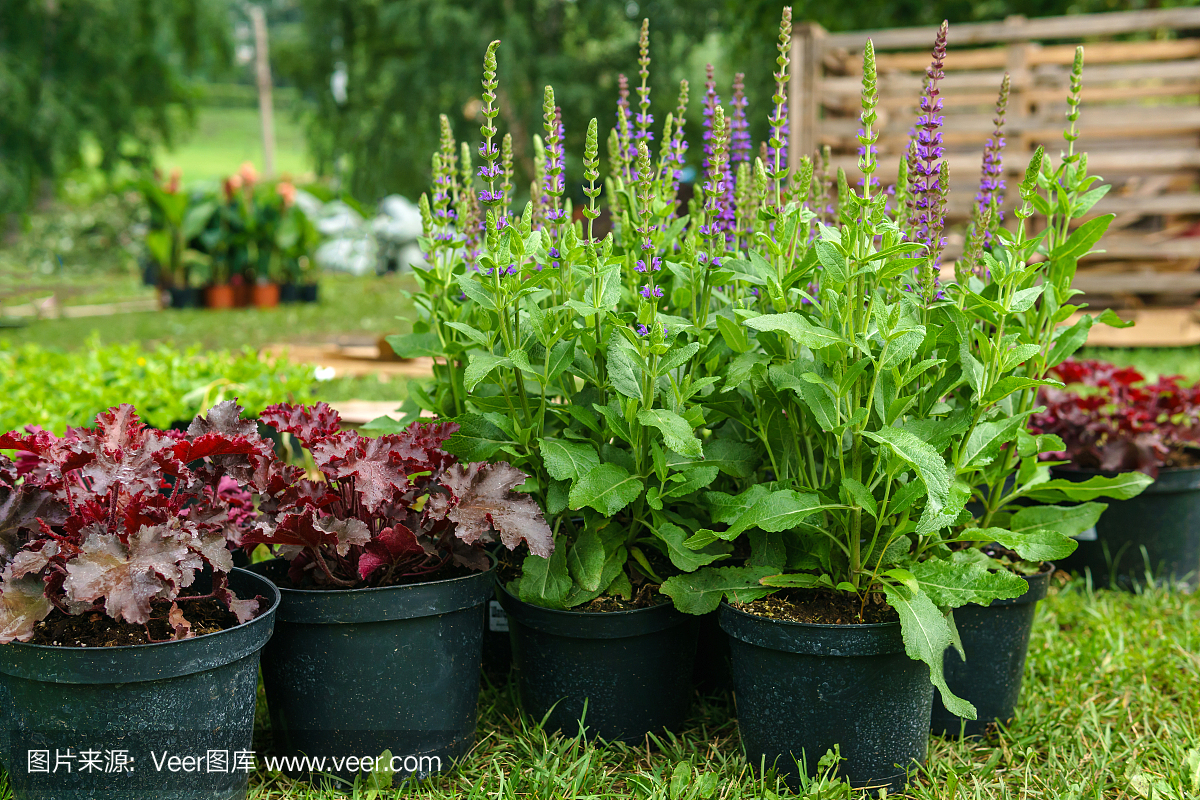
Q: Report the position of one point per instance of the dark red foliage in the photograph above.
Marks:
(389, 508)
(1110, 418)
(87, 521)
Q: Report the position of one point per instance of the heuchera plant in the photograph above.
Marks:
(87, 521)
(1110, 418)
(386, 510)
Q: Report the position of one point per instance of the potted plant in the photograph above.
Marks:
(383, 574)
(126, 631)
(175, 221)
(564, 352)
(1112, 421)
(876, 397)
(295, 240)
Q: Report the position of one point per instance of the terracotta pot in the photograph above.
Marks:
(219, 296)
(266, 295)
(241, 294)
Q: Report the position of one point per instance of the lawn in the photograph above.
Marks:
(1111, 709)
(225, 137)
(359, 307)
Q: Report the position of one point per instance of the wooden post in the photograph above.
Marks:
(266, 107)
(804, 91)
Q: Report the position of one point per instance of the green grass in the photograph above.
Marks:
(1152, 362)
(349, 305)
(1110, 709)
(224, 138)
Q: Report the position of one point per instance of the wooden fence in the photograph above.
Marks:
(1140, 123)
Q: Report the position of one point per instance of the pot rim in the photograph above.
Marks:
(857, 626)
(263, 615)
(566, 612)
(364, 589)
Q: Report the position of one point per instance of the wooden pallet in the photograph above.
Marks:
(1140, 123)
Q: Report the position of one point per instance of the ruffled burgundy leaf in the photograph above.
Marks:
(482, 499)
(309, 424)
(378, 476)
(391, 545)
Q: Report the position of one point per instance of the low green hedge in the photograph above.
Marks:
(56, 389)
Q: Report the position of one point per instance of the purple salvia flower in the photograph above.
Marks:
(928, 170)
(678, 143)
(624, 128)
(644, 118)
(642, 330)
(991, 179)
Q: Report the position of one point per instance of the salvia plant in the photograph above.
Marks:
(120, 518)
(772, 389)
(385, 510)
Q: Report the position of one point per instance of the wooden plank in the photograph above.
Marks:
(1137, 282)
(1094, 53)
(1154, 327)
(1072, 26)
(1106, 163)
(960, 204)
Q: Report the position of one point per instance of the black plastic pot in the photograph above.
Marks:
(183, 698)
(354, 672)
(996, 640)
(289, 293)
(1164, 519)
(711, 673)
(803, 688)
(308, 292)
(186, 297)
(629, 668)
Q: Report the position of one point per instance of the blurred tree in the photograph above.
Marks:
(101, 74)
(377, 73)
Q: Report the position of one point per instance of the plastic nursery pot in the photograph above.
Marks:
(308, 292)
(1164, 519)
(802, 688)
(219, 296)
(996, 640)
(185, 297)
(629, 668)
(354, 672)
(289, 293)
(265, 295)
(711, 672)
(94, 709)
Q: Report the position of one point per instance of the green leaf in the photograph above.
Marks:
(607, 488)
(797, 580)
(1025, 298)
(1068, 340)
(984, 443)
(416, 345)
(734, 458)
(479, 367)
(585, 560)
(929, 464)
(734, 335)
(685, 558)
(474, 290)
(903, 346)
(1118, 487)
(676, 431)
(1067, 520)
(474, 334)
(726, 508)
(950, 585)
(677, 357)
(693, 479)
(1012, 383)
(861, 495)
(545, 581)
(927, 634)
(777, 511)
(1110, 318)
(836, 271)
(561, 356)
(568, 461)
(1039, 545)
(520, 360)
(477, 439)
(1081, 241)
(798, 328)
(623, 371)
(702, 591)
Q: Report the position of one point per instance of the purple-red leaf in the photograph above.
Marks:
(309, 424)
(391, 545)
(482, 500)
(23, 605)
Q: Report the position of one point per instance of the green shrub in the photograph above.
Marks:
(55, 389)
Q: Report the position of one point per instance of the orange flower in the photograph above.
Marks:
(232, 184)
(248, 174)
(173, 184)
(287, 191)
